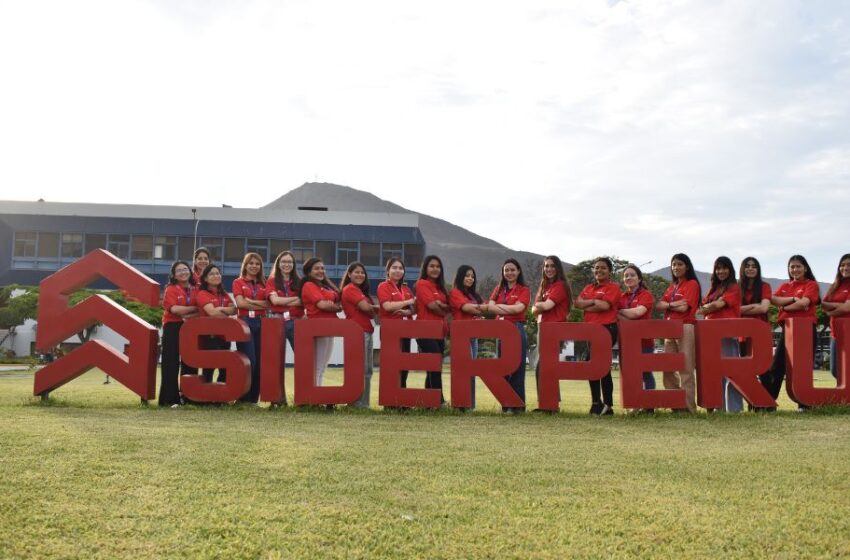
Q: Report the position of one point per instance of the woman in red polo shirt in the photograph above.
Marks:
(321, 301)
(836, 304)
(200, 260)
(508, 302)
(249, 291)
(681, 301)
(636, 305)
(357, 304)
(551, 303)
(723, 301)
(755, 300)
(395, 302)
(178, 304)
(599, 301)
(467, 305)
(282, 289)
(797, 298)
(432, 304)
(212, 301)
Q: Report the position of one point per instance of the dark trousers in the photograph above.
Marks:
(252, 348)
(602, 390)
(171, 365)
(772, 379)
(517, 378)
(214, 343)
(405, 347)
(433, 379)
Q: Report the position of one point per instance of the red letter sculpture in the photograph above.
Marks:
(236, 363)
(306, 391)
(742, 372)
(493, 371)
(633, 363)
(273, 361)
(393, 361)
(800, 381)
(552, 370)
(56, 321)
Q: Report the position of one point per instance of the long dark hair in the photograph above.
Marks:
(261, 278)
(173, 279)
(802, 260)
(460, 275)
(560, 276)
(391, 261)
(838, 278)
(197, 252)
(346, 280)
(719, 287)
(754, 284)
(441, 280)
(294, 279)
(205, 285)
(690, 273)
(308, 266)
(520, 279)
(641, 281)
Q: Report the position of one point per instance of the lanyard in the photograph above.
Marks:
(188, 293)
(632, 296)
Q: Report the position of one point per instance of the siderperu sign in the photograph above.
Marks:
(136, 369)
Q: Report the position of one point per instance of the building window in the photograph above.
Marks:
(119, 245)
(72, 245)
(142, 247)
(259, 246)
(213, 245)
(326, 250)
(278, 246)
(302, 249)
(346, 252)
(48, 245)
(95, 241)
(234, 249)
(370, 254)
(165, 247)
(390, 250)
(25, 243)
(186, 249)
(412, 255)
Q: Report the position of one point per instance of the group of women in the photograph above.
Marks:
(197, 290)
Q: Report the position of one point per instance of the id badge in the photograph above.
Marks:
(286, 315)
(252, 313)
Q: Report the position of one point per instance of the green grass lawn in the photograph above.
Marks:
(93, 474)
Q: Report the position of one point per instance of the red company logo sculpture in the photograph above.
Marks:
(137, 368)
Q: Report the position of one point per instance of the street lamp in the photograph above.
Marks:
(195, 240)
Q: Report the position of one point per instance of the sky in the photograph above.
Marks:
(635, 129)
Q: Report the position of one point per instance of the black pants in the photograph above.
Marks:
(772, 379)
(433, 379)
(215, 343)
(602, 390)
(171, 365)
(405, 347)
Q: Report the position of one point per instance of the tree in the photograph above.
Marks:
(16, 309)
(532, 269)
(152, 315)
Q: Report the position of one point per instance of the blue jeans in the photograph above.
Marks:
(648, 378)
(473, 348)
(733, 401)
(252, 348)
(517, 378)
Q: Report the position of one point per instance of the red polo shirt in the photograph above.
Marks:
(610, 292)
(249, 289)
(642, 297)
(685, 290)
(351, 296)
(457, 300)
(389, 291)
(732, 309)
(176, 295)
(289, 290)
(517, 294)
(804, 288)
(840, 295)
(218, 300)
(312, 293)
(558, 294)
(747, 299)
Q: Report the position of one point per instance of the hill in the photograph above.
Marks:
(454, 244)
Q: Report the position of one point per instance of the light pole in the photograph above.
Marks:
(195, 239)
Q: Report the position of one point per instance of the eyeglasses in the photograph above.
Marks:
(179, 270)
